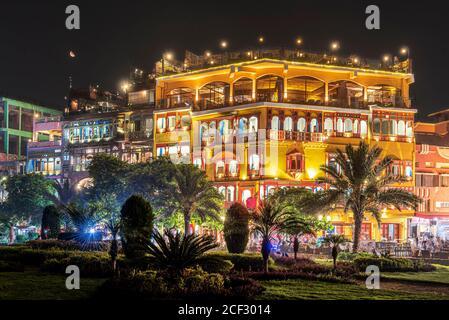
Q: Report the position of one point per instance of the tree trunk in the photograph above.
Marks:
(186, 223)
(113, 253)
(334, 256)
(266, 250)
(296, 247)
(357, 231)
(11, 234)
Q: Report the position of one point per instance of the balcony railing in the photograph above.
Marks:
(282, 135)
(44, 144)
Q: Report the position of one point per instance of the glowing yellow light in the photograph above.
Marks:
(386, 58)
(356, 60)
(168, 56)
(261, 39)
(207, 54)
(335, 45)
(248, 53)
(298, 41)
(311, 173)
(404, 50)
(224, 44)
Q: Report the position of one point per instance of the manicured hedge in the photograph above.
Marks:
(69, 245)
(243, 261)
(393, 264)
(90, 265)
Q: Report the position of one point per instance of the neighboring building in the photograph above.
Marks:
(16, 130)
(432, 177)
(266, 119)
(102, 122)
(45, 150)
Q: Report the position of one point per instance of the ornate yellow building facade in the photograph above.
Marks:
(265, 123)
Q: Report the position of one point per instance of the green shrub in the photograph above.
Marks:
(137, 225)
(90, 265)
(198, 282)
(244, 261)
(392, 264)
(217, 265)
(236, 228)
(350, 256)
(69, 245)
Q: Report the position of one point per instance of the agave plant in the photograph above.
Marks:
(175, 252)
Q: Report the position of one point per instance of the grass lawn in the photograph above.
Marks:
(441, 275)
(319, 290)
(33, 285)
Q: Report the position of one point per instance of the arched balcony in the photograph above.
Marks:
(346, 94)
(385, 96)
(213, 95)
(181, 97)
(270, 88)
(305, 90)
(243, 91)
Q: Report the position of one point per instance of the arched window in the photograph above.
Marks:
(288, 124)
(254, 162)
(302, 125)
(246, 194)
(243, 91)
(213, 95)
(328, 125)
(314, 125)
(275, 123)
(204, 130)
(345, 94)
(270, 88)
(385, 129)
(393, 127)
(348, 125)
(212, 129)
(340, 125)
(355, 127)
(376, 125)
(181, 97)
(233, 168)
(243, 125)
(222, 191)
(409, 129)
(305, 90)
(223, 127)
(253, 124)
(230, 193)
(363, 128)
(220, 168)
(161, 123)
(401, 128)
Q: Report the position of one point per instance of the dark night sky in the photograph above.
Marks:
(116, 36)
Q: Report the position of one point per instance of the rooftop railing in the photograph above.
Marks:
(195, 62)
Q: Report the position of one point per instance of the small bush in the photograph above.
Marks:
(217, 266)
(286, 275)
(392, 264)
(244, 261)
(350, 256)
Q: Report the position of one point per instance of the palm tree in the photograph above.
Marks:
(335, 240)
(192, 193)
(113, 225)
(361, 183)
(299, 225)
(271, 217)
(175, 252)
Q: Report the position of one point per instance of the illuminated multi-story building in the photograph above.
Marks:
(432, 177)
(16, 130)
(266, 119)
